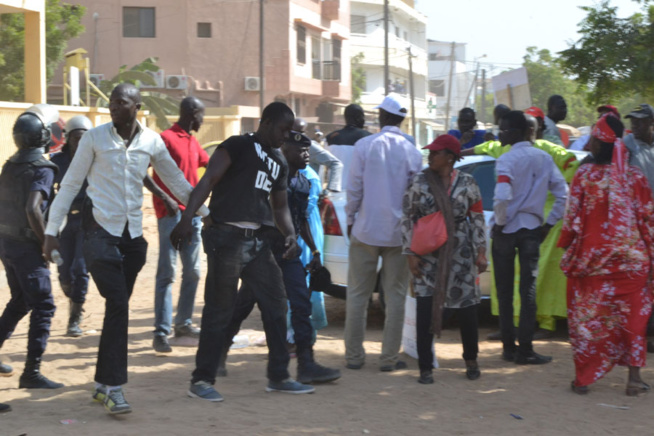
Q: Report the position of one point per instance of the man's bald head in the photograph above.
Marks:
(191, 114)
(532, 122)
(128, 90)
(190, 105)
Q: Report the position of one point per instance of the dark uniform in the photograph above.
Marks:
(27, 272)
(348, 135)
(73, 275)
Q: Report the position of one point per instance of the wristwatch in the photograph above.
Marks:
(315, 253)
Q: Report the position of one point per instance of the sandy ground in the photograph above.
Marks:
(366, 401)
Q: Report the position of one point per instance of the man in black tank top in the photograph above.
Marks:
(245, 177)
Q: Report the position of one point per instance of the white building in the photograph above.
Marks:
(407, 30)
(442, 66)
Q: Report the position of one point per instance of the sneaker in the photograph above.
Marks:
(99, 393)
(204, 391)
(426, 377)
(531, 358)
(6, 370)
(187, 330)
(289, 386)
(115, 402)
(316, 373)
(161, 345)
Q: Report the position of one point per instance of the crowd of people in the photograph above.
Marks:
(590, 261)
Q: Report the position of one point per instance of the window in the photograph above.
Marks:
(204, 30)
(138, 22)
(301, 45)
(484, 174)
(316, 58)
(437, 87)
(406, 35)
(357, 24)
(433, 56)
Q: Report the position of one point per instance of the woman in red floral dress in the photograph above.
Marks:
(608, 231)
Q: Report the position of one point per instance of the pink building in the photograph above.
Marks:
(210, 49)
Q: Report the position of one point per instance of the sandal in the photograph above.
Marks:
(633, 391)
(580, 390)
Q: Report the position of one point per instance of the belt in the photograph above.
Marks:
(18, 233)
(248, 233)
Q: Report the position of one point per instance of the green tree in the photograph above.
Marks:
(62, 23)
(614, 58)
(158, 103)
(546, 79)
(358, 78)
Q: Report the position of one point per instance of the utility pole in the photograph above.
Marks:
(261, 65)
(386, 73)
(449, 88)
(413, 106)
(483, 96)
(473, 86)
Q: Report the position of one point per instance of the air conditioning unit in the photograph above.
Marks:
(177, 82)
(96, 78)
(252, 84)
(158, 77)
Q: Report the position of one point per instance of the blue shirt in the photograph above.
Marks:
(524, 176)
(63, 160)
(42, 182)
(476, 140)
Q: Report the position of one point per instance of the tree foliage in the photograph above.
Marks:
(615, 56)
(358, 78)
(62, 23)
(158, 103)
(546, 79)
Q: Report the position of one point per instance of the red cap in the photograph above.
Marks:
(609, 108)
(445, 142)
(535, 112)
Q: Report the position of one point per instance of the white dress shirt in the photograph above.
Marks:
(115, 176)
(524, 175)
(382, 166)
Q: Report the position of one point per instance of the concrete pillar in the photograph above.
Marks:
(35, 82)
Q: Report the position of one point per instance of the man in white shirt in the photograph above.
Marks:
(114, 159)
(525, 174)
(382, 166)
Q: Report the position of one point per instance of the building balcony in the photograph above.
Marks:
(330, 9)
(326, 70)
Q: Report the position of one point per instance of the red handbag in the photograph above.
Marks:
(429, 234)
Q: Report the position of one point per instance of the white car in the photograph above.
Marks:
(332, 211)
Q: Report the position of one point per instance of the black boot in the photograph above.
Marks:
(74, 320)
(32, 377)
(309, 371)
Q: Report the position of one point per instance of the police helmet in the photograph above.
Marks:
(49, 115)
(80, 122)
(30, 131)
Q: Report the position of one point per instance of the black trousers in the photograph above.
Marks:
(231, 255)
(28, 278)
(468, 325)
(526, 242)
(114, 262)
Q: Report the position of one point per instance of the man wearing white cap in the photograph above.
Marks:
(382, 166)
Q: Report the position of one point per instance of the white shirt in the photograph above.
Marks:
(524, 175)
(382, 166)
(115, 176)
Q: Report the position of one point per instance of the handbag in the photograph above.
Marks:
(430, 232)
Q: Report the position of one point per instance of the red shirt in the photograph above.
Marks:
(187, 154)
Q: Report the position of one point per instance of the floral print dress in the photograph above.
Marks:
(608, 230)
(470, 234)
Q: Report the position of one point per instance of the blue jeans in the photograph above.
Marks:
(232, 255)
(189, 254)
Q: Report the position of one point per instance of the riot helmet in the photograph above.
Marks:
(30, 131)
(80, 122)
(49, 115)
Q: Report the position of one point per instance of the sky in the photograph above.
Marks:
(503, 29)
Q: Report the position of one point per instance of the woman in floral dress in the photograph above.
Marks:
(446, 278)
(608, 231)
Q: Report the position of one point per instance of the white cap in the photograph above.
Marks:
(392, 106)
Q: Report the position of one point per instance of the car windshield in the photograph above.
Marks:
(484, 174)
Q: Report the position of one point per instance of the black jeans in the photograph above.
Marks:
(299, 298)
(527, 244)
(28, 278)
(114, 262)
(231, 255)
(468, 326)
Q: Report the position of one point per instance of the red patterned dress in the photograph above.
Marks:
(608, 231)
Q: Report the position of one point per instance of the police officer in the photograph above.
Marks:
(25, 189)
(296, 153)
(73, 276)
